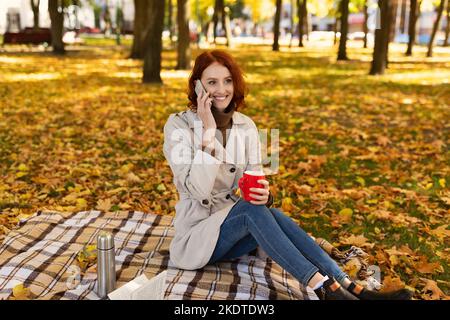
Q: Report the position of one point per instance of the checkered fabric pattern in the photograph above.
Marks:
(42, 254)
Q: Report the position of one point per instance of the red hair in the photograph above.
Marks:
(203, 61)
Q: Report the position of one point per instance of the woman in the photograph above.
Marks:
(208, 148)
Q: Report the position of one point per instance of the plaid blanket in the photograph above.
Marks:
(42, 254)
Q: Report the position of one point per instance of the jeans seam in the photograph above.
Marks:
(281, 258)
(321, 269)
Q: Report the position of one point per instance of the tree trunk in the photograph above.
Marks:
(307, 18)
(153, 41)
(403, 17)
(57, 26)
(140, 9)
(218, 15)
(276, 27)
(184, 50)
(342, 53)
(291, 22)
(35, 8)
(301, 13)
(227, 25)
(413, 15)
(170, 22)
(390, 19)
(393, 20)
(335, 29)
(440, 9)
(365, 27)
(379, 51)
(447, 28)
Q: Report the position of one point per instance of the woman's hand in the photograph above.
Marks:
(261, 194)
(204, 103)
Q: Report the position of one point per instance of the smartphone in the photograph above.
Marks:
(199, 88)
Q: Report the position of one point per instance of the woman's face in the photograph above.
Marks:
(218, 82)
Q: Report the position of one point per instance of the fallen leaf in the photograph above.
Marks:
(427, 267)
(391, 284)
(441, 232)
(104, 205)
(435, 293)
(20, 292)
(346, 214)
(359, 241)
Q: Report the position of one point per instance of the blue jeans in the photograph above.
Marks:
(248, 226)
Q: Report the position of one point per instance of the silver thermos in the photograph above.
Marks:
(106, 264)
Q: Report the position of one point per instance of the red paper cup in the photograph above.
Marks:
(250, 180)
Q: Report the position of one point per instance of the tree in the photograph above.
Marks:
(276, 27)
(119, 23)
(365, 27)
(301, 13)
(153, 41)
(414, 13)
(170, 24)
(342, 53)
(35, 7)
(97, 10)
(184, 50)
(440, 9)
(391, 12)
(447, 28)
(56, 13)
(378, 65)
(140, 11)
(218, 14)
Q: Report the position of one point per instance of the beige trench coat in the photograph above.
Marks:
(206, 184)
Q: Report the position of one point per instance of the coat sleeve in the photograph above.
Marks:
(192, 168)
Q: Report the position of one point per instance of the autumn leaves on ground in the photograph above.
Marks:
(363, 160)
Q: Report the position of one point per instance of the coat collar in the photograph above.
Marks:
(234, 152)
(192, 117)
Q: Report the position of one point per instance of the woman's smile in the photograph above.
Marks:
(219, 84)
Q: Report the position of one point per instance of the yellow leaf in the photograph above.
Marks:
(161, 187)
(124, 206)
(346, 214)
(81, 203)
(132, 177)
(361, 181)
(23, 167)
(441, 232)
(20, 292)
(359, 241)
(21, 174)
(442, 183)
(104, 205)
(286, 204)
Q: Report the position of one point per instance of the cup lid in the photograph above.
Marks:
(105, 241)
(254, 173)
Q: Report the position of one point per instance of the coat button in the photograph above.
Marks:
(205, 201)
(228, 196)
(233, 169)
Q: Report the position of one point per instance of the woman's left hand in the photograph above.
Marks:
(260, 194)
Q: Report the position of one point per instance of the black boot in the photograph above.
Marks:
(332, 290)
(366, 294)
